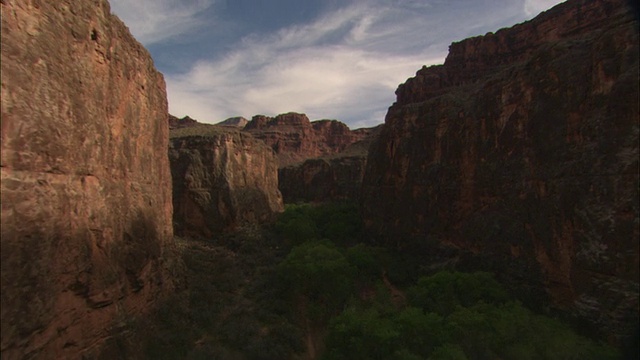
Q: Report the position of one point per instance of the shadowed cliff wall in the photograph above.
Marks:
(520, 155)
(86, 187)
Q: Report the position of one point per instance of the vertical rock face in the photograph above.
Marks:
(86, 191)
(337, 177)
(520, 155)
(319, 180)
(221, 178)
(294, 138)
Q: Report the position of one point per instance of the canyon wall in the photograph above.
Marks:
(519, 155)
(86, 190)
(320, 180)
(294, 138)
(222, 178)
(331, 178)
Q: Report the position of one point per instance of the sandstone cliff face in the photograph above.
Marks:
(86, 192)
(294, 138)
(221, 179)
(337, 177)
(478, 57)
(320, 180)
(520, 155)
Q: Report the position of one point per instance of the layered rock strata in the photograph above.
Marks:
(321, 180)
(331, 178)
(86, 187)
(520, 155)
(294, 138)
(222, 178)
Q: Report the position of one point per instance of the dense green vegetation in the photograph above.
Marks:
(309, 287)
(442, 320)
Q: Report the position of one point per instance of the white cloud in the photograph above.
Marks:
(323, 69)
(345, 65)
(152, 21)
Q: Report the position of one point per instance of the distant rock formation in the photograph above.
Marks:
(333, 178)
(237, 121)
(222, 178)
(176, 123)
(86, 188)
(520, 155)
(294, 138)
(320, 180)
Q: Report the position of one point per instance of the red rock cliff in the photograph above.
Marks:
(330, 178)
(294, 138)
(478, 57)
(86, 187)
(520, 155)
(222, 178)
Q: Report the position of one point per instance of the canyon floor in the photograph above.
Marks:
(308, 287)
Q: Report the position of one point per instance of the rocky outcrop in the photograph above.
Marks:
(294, 138)
(86, 191)
(478, 57)
(177, 123)
(332, 178)
(520, 155)
(237, 121)
(322, 179)
(222, 178)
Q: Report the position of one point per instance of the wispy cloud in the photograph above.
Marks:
(153, 21)
(345, 64)
(324, 69)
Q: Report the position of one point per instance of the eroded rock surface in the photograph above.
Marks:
(320, 180)
(331, 178)
(520, 155)
(294, 138)
(222, 178)
(86, 187)
(237, 121)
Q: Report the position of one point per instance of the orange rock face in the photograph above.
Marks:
(222, 178)
(330, 178)
(519, 155)
(86, 187)
(294, 138)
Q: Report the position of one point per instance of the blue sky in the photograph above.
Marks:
(330, 59)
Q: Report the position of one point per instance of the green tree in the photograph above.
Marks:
(320, 273)
(296, 225)
(356, 334)
(444, 291)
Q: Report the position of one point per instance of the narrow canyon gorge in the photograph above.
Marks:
(127, 232)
